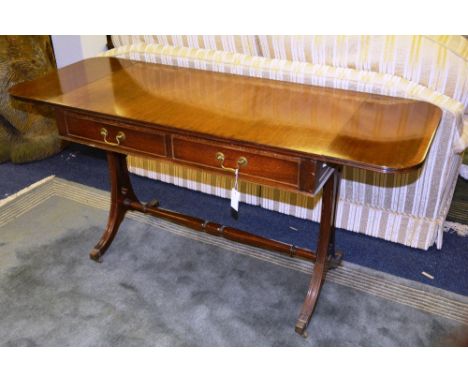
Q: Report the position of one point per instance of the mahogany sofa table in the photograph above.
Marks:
(287, 135)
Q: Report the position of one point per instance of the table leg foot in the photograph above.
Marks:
(335, 260)
(122, 196)
(326, 255)
(151, 204)
(95, 255)
(116, 216)
(313, 292)
(301, 327)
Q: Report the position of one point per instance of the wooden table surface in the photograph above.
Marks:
(379, 133)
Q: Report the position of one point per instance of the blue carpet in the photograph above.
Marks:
(88, 166)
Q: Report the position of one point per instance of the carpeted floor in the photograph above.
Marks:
(88, 166)
(458, 211)
(164, 285)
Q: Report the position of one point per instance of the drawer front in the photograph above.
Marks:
(261, 166)
(114, 137)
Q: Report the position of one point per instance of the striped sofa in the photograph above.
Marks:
(407, 208)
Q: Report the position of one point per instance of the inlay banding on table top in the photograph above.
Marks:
(374, 132)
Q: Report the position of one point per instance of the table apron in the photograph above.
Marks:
(262, 166)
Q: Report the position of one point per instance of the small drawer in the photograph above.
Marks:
(116, 137)
(261, 166)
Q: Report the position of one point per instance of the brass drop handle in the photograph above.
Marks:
(242, 161)
(120, 137)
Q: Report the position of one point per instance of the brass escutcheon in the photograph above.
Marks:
(120, 137)
(241, 162)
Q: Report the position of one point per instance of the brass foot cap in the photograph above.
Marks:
(300, 328)
(95, 255)
(153, 203)
(335, 261)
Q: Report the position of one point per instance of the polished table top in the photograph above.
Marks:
(380, 133)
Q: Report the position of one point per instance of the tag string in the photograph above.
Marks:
(237, 177)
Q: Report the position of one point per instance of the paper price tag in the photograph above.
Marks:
(235, 196)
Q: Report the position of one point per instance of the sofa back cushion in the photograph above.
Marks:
(437, 62)
(246, 44)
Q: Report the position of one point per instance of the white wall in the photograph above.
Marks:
(70, 49)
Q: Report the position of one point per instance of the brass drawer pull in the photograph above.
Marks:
(120, 137)
(242, 161)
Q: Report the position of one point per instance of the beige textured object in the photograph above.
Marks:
(410, 208)
(27, 132)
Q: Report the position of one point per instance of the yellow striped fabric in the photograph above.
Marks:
(437, 62)
(241, 44)
(409, 209)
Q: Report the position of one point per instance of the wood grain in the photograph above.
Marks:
(374, 132)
